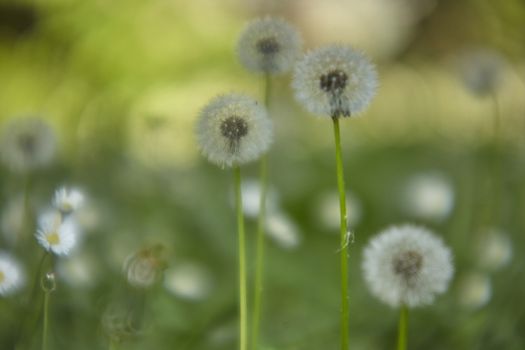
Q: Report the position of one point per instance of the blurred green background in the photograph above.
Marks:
(122, 82)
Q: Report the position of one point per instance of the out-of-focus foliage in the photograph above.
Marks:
(121, 83)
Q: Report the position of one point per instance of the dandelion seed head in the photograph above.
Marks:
(481, 70)
(335, 81)
(407, 265)
(233, 129)
(269, 45)
(27, 144)
(56, 234)
(12, 277)
(144, 267)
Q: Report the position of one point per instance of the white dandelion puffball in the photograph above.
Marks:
(56, 234)
(269, 45)
(68, 200)
(234, 129)
(27, 144)
(11, 275)
(407, 265)
(335, 81)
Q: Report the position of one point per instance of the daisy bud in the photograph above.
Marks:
(269, 45)
(335, 81)
(68, 200)
(27, 144)
(407, 265)
(233, 129)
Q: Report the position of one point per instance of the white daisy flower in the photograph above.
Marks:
(269, 45)
(407, 265)
(27, 144)
(234, 129)
(11, 275)
(68, 200)
(335, 81)
(56, 234)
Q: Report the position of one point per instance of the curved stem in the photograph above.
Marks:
(259, 264)
(345, 313)
(243, 299)
(402, 329)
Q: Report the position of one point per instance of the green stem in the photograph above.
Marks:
(259, 264)
(243, 299)
(496, 163)
(402, 329)
(112, 344)
(345, 313)
(46, 319)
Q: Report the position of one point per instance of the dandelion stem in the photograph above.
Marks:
(402, 329)
(259, 264)
(496, 162)
(345, 313)
(243, 299)
(47, 295)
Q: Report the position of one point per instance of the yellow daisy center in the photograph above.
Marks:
(2, 277)
(53, 238)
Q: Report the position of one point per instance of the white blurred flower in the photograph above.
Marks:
(335, 81)
(407, 265)
(269, 45)
(494, 249)
(56, 234)
(68, 200)
(12, 277)
(475, 290)
(429, 196)
(282, 230)
(481, 70)
(78, 271)
(251, 195)
(12, 219)
(327, 207)
(27, 144)
(234, 129)
(188, 281)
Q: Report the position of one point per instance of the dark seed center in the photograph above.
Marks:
(408, 264)
(334, 81)
(233, 128)
(27, 143)
(268, 46)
